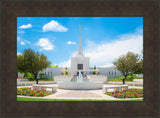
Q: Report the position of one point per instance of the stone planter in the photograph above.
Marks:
(22, 80)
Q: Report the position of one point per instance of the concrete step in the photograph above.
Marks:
(74, 79)
(85, 79)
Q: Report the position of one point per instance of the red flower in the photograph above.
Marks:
(115, 94)
(130, 94)
(34, 94)
(27, 95)
(120, 95)
(135, 94)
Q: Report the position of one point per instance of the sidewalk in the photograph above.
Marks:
(80, 94)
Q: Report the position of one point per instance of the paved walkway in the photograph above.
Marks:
(80, 94)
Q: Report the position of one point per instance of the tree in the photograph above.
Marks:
(94, 72)
(126, 63)
(138, 69)
(66, 72)
(32, 62)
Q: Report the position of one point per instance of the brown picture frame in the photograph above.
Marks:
(149, 10)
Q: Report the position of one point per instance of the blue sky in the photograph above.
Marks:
(103, 38)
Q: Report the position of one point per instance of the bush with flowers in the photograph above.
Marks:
(29, 92)
(130, 93)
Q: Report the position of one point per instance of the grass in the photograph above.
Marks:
(39, 99)
(118, 80)
(42, 79)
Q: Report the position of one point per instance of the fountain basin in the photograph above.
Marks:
(80, 85)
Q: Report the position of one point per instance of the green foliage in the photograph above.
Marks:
(39, 99)
(126, 63)
(56, 66)
(20, 61)
(31, 79)
(138, 69)
(32, 62)
(41, 79)
(130, 77)
(40, 74)
(28, 75)
(66, 73)
(46, 79)
(94, 67)
(94, 72)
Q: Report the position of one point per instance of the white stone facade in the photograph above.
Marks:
(79, 60)
(51, 71)
(111, 72)
(63, 78)
(97, 78)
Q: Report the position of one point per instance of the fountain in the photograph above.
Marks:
(80, 64)
(80, 84)
(80, 77)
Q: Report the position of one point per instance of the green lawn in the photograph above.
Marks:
(39, 99)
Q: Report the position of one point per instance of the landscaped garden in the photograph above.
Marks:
(128, 79)
(30, 77)
(28, 92)
(130, 93)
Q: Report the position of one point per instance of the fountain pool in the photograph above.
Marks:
(80, 84)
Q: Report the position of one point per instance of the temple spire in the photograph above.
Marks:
(80, 50)
(79, 36)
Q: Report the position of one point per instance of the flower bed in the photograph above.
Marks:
(28, 92)
(130, 93)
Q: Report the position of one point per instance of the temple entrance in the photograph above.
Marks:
(79, 67)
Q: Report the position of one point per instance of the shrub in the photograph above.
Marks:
(40, 75)
(29, 92)
(130, 93)
(31, 79)
(28, 75)
(66, 73)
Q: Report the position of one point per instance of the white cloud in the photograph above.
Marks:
(65, 63)
(25, 26)
(40, 49)
(54, 26)
(103, 54)
(45, 44)
(19, 53)
(27, 41)
(18, 38)
(68, 62)
(23, 43)
(70, 42)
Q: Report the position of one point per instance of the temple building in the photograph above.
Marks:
(81, 63)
